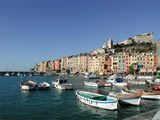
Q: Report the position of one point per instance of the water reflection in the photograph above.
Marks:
(24, 92)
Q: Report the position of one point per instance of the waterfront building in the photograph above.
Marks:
(114, 63)
(102, 61)
(121, 62)
(57, 65)
(64, 64)
(84, 62)
(133, 60)
(49, 66)
(126, 61)
(158, 50)
(46, 66)
(36, 68)
(53, 66)
(104, 65)
(73, 63)
(150, 63)
(95, 64)
(43, 66)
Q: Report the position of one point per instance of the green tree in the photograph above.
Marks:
(131, 69)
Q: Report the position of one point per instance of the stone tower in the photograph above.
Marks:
(110, 43)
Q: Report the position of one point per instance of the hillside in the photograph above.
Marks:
(136, 47)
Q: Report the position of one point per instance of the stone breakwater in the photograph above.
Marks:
(144, 116)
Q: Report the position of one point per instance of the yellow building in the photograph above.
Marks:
(114, 63)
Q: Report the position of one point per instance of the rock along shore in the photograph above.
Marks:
(144, 116)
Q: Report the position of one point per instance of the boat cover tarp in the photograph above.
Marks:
(119, 80)
(95, 97)
(28, 82)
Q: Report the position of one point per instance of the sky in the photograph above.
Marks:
(32, 31)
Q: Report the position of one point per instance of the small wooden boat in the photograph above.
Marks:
(104, 83)
(62, 84)
(92, 84)
(124, 98)
(28, 85)
(93, 76)
(44, 86)
(148, 94)
(97, 100)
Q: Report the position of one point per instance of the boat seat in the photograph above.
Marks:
(99, 98)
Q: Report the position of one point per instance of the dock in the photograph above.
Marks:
(151, 115)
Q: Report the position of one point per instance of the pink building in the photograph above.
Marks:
(107, 67)
(126, 61)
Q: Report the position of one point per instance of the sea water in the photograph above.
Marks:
(58, 104)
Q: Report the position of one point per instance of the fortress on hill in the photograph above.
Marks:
(144, 38)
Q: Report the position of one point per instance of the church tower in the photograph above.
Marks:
(110, 43)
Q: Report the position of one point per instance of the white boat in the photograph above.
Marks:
(126, 98)
(44, 86)
(93, 76)
(147, 94)
(105, 84)
(157, 80)
(18, 74)
(97, 100)
(130, 77)
(28, 85)
(138, 82)
(86, 75)
(113, 78)
(93, 84)
(6, 74)
(62, 84)
(123, 98)
(145, 77)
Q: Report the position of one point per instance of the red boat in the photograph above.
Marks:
(156, 87)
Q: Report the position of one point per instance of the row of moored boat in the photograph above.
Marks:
(59, 83)
(110, 101)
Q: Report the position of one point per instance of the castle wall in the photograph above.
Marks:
(148, 37)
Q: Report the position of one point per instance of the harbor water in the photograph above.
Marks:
(57, 104)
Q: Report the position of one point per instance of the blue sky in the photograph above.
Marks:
(36, 30)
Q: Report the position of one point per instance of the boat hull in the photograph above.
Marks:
(132, 101)
(91, 84)
(156, 87)
(44, 86)
(110, 105)
(144, 94)
(120, 84)
(27, 87)
(150, 96)
(63, 86)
